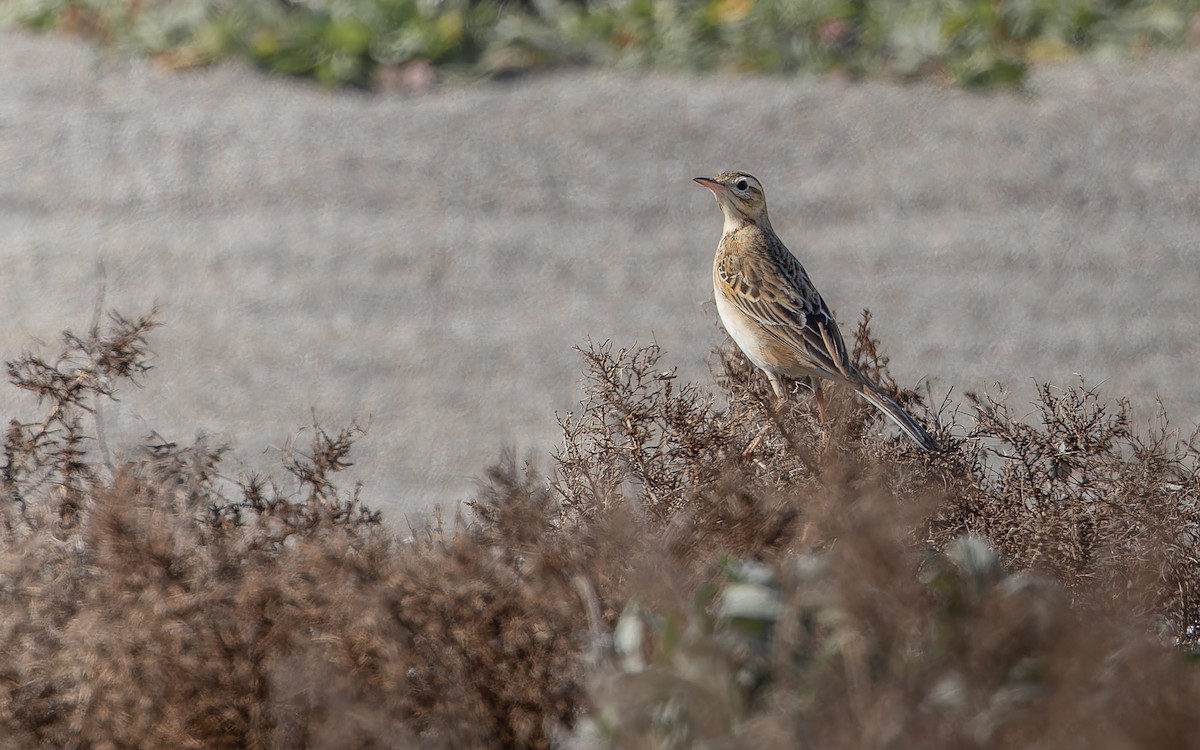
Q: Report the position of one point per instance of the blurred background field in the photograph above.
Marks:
(430, 262)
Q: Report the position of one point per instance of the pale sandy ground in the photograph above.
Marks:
(430, 262)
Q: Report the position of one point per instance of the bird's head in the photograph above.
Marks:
(740, 197)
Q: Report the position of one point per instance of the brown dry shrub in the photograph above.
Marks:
(1082, 497)
(893, 646)
(158, 604)
(171, 608)
(146, 626)
(1095, 523)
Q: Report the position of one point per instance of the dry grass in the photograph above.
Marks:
(696, 572)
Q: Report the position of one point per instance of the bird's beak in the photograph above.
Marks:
(711, 184)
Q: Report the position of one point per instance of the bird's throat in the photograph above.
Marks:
(733, 221)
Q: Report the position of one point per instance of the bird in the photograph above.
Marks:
(774, 313)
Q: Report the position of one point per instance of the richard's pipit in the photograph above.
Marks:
(772, 310)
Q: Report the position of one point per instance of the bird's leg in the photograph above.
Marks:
(812, 384)
(818, 395)
(781, 404)
(777, 386)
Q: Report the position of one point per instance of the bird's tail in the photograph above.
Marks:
(897, 414)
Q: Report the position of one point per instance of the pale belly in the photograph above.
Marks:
(765, 352)
(745, 333)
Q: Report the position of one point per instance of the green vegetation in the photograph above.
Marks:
(356, 42)
(688, 576)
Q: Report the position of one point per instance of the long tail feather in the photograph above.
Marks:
(897, 414)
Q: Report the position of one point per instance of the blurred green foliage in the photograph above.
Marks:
(972, 42)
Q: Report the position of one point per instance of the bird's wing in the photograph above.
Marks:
(774, 289)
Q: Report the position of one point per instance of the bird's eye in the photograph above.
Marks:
(741, 185)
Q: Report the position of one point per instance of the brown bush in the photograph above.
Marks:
(697, 570)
